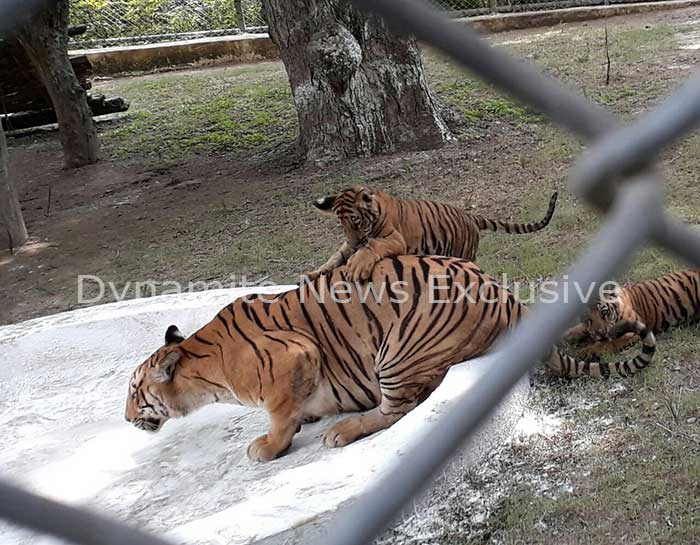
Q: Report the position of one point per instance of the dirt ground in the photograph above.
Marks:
(201, 183)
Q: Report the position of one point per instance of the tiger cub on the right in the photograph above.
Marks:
(660, 303)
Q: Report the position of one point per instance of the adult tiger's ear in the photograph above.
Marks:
(325, 204)
(173, 335)
(165, 368)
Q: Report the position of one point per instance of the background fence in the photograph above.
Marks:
(112, 22)
(616, 175)
(466, 8)
(148, 21)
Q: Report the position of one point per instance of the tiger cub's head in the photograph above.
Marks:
(602, 316)
(153, 398)
(358, 210)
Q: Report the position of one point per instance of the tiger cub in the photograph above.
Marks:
(660, 303)
(330, 347)
(378, 225)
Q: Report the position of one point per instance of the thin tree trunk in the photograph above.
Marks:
(45, 40)
(10, 210)
(358, 89)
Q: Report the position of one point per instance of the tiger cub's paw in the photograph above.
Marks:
(360, 266)
(312, 275)
(343, 433)
(261, 450)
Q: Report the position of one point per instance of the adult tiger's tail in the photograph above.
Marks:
(486, 224)
(569, 367)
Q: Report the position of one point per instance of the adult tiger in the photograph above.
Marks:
(659, 303)
(332, 346)
(378, 225)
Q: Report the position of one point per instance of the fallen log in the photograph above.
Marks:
(99, 105)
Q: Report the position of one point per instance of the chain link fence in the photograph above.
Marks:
(616, 175)
(466, 8)
(114, 22)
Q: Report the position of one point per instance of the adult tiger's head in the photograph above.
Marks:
(601, 318)
(153, 397)
(358, 209)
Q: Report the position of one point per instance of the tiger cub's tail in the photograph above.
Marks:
(569, 367)
(487, 224)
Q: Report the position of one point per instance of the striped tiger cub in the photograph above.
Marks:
(378, 225)
(332, 346)
(660, 303)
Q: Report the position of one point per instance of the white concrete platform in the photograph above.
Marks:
(63, 384)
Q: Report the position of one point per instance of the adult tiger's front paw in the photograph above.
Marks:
(261, 450)
(360, 266)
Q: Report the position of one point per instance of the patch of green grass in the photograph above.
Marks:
(543, 254)
(520, 512)
(476, 101)
(232, 110)
(637, 43)
(272, 251)
(646, 494)
(556, 147)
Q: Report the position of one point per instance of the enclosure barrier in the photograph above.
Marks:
(116, 22)
(617, 175)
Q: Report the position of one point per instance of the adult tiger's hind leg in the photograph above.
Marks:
(353, 428)
(394, 404)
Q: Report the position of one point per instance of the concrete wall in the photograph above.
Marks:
(144, 58)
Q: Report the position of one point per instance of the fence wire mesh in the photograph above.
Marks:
(114, 22)
(465, 8)
(616, 175)
(147, 21)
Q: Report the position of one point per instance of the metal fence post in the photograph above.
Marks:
(240, 15)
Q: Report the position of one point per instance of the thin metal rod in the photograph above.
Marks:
(631, 222)
(678, 238)
(631, 148)
(72, 523)
(520, 79)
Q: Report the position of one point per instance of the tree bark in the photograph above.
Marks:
(10, 210)
(45, 39)
(358, 88)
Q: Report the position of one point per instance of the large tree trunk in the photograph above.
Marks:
(45, 40)
(10, 211)
(358, 88)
